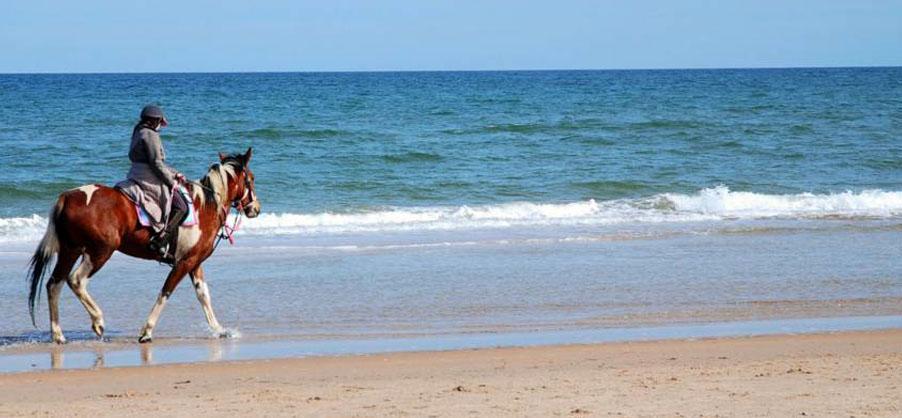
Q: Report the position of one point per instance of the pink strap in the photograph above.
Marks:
(230, 230)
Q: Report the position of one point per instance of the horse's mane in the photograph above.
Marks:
(216, 181)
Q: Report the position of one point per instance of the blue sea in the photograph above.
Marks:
(423, 205)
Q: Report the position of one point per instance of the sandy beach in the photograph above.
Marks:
(840, 374)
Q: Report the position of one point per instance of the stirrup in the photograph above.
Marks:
(167, 259)
(160, 246)
(157, 244)
(163, 253)
(168, 253)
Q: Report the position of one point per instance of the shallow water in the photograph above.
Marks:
(384, 285)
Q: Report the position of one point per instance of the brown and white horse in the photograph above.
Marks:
(93, 221)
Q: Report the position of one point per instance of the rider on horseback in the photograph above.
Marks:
(152, 183)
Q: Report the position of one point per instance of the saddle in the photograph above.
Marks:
(190, 218)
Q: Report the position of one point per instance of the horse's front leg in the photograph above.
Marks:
(203, 296)
(175, 276)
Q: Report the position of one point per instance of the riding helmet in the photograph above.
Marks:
(153, 111)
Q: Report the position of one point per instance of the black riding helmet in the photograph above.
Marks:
(154, 112)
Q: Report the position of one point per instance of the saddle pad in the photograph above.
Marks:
(190, 220)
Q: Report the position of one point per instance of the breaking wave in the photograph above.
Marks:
(718, 203)
(22, 229)
(712, 204)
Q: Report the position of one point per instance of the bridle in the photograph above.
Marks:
(247, 198)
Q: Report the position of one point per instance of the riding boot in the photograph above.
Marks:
(165, 242)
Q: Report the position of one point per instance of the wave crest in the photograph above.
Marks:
(22, 229)
(723, 202)
(718, 203)
(712, 204)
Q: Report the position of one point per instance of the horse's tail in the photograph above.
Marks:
(40, 261)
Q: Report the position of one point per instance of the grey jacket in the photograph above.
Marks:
(146, 148)
(150, 180)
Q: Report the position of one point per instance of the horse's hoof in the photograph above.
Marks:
(98, 329)
(226, 333)
(145, 339)
(59, 340)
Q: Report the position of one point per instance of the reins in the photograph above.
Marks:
(226, 231)
(201, 185)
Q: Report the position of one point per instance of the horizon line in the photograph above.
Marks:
(451, 71)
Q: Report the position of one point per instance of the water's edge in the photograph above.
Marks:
(95, 354)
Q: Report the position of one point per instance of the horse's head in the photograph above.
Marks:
(241, 191)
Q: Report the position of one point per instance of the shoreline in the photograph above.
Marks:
(85, 352)
(835, 374)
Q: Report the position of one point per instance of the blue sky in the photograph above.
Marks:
(358, 35)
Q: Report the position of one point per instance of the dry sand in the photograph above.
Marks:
(838, 375)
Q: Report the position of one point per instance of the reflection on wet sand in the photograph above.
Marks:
(213, 350)
(56, 358)
(146, 354)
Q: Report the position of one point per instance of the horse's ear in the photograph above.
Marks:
(247, 155)
(222, 156)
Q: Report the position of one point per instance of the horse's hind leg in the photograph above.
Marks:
(91, 262)
(64, 263)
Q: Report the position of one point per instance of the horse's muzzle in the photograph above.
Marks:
(253, 210)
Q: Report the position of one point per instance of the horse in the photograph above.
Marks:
(94, 221)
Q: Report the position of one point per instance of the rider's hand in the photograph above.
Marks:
(179, 177)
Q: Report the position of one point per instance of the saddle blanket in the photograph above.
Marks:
(190, 220)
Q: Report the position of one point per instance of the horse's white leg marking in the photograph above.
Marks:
(78, 282)
(147, 332)
(89, 190)
(53, 298)
(203, 296)
(188, 237)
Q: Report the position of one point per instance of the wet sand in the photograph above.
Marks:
(841, 374)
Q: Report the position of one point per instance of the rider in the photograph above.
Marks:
(157, 180)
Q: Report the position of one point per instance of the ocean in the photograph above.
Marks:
(426, 204)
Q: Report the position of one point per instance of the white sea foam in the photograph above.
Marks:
(713, 204)
(722, 202)
(464, 217)
(22, 229)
